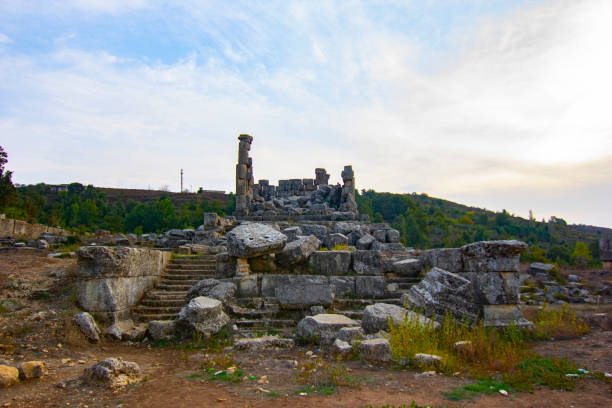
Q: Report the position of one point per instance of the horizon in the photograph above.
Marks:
(489, 104)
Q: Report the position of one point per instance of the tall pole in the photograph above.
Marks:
(181, 180)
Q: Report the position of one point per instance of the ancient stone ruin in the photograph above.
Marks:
(605, 253)
(292, 252)
(298, 199)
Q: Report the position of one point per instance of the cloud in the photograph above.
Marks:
(510, 113)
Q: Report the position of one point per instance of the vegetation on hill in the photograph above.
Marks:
(427, 222)
(86, 208)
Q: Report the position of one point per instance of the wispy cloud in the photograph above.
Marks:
(504, 109)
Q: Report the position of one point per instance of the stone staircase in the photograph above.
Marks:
(165, 301)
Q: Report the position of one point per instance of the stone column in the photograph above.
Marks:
(348, 202)
(321, 177)
(244, 176)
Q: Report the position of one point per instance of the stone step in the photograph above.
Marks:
(151, 310)
(149, 317)
(187, 277)
(180, 302)
(254, 313)
(405, 285)
(189, 282)
(263, 323)
(403, 280)
(174, 288)
(344, 303)
(247, 332)
(157, 294)
(188, 262)
(190, 267)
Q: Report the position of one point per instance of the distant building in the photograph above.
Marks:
(59, 188)
(605, 253)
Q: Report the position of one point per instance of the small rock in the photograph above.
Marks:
(341, 348)
(86, 323)
(427, 359)
(32, 369)
(8, 376)
(113, 373)
(462, 345)
(425, 374)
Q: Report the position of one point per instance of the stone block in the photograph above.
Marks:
(376, 350)
(392, 236)
(32, 369)
(203, 316)
(161, 329)
(252, 240)
(495, 288)
(247, 285)
(407, 267)
(298, 250)
(493, 256)
(370, 287)
(365, 242)
(367, 262)
(504, 315)
(344, 286)
(376, 317)
(330, 262)
(303, 293)
(319, 231)
(380, 235)
(323, 328)
(448, 259)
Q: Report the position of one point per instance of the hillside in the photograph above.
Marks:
(423, 221)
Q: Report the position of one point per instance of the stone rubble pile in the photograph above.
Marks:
(544, 285)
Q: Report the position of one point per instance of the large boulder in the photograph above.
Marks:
(441, 292)
(407, 267)
(212, 288)
(113, 373)
(251, 240)
(367, 262)
(298, 250)
(86, 323)
(376, 317)
(493, 256)
(330, 262)
(319, 231)
(202, 316)
(323, 328)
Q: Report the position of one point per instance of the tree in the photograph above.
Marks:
(582, 254)
(7, 189)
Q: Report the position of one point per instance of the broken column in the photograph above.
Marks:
(244, 176)
(321, 177)
(348, 202)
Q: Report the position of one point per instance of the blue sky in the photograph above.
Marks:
(497, 104)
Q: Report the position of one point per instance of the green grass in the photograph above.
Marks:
(223, 375)
(194, 376)
(469, 391)
(543, 371)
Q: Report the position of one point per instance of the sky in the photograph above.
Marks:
(499, 104)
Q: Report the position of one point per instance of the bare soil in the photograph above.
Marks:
(175, 378)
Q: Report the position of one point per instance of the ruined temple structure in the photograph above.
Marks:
(298, 199)
(605, 253)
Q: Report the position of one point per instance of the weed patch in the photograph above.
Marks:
(469, 391)
(562, 323)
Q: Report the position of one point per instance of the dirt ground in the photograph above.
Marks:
(40, 329)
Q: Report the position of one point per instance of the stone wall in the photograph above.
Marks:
(110, 280)
(10, 228)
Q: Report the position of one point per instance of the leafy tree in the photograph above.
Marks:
(7, 189)
(581, 254)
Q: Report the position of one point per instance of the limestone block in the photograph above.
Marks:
(251, 240)
(407, 267)
(344, 286)
(336, 239)
(264, 343)
(298, 251)
(365, 242)
(341, 349)
(441, 292)
(376, 317)
(448, 259)
(247, 285)
(350, 334)
(203, 316)
(304, 293)
(495, 288)
(330, 262)
(367, 262)
(161, 329)
(389, 249)
(319, 231)
(493, 256)
(370, 287)
(263, 264)
(323, 328)
(292, 233)
(380, 235)
(376, 350)
(539, 267)
(392, 236)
